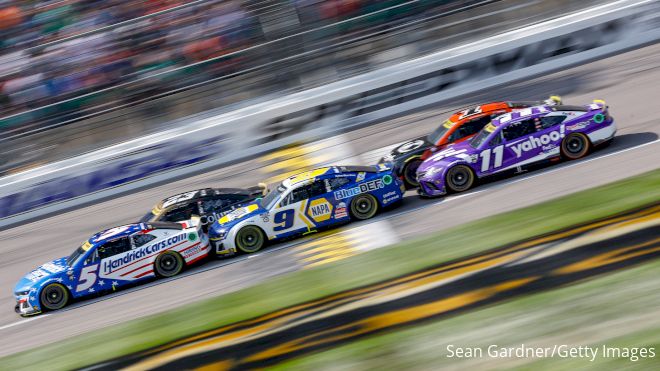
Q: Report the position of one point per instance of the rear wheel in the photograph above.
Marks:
(364, 206)
(250, 239)
(410, 173)
(460, 178)
(168, 264)
(54, 296)
(575, 146)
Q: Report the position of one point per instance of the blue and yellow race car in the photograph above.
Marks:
(305, 203)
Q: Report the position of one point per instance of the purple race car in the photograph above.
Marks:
(515, 140)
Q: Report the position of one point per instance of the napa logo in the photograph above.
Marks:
(320, 210)
(533, 142)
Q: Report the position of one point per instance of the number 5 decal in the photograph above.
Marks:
(284, 219)
(87, 277)
(485, 158)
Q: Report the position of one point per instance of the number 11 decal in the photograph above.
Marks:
(485, 158)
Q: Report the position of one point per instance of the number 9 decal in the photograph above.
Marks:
(284, 219)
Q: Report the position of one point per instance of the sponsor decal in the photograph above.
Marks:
(578, 126)
(340, 211)
(36, 275)
(360, 176)
(387, 179)
(390, 196)
(238, 213)
(111, 265)
(192, 237)
(533, 142)
(52, 268)
(410, 146)
(320, 210)
(599, 118)
(361, 188)
(190, 252)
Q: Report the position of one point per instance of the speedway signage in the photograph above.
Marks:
(206, 144)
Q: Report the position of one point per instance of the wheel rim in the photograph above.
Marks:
(575, 145)
(250, 239)
(460, 178)
(410, 173)
(169, 265)
(54, 297)
(363, 207)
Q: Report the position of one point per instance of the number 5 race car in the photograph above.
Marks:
(516, 140)
(460, 127)
(111, 259)
(306, 202)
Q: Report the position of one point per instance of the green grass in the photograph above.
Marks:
(617, 310)
(372, 266)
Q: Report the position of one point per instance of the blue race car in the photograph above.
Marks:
(111, 259)
(305, 203)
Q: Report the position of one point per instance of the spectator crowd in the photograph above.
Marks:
(52, 51)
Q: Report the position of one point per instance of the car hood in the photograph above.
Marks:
(42, 274)
(240, 214)
(449, 154)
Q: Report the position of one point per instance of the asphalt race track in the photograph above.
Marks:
(628, 82)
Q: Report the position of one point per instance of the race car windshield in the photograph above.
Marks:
(272, 197)
(75, 255)
(482, 136)
(147, 217)
(438, 133)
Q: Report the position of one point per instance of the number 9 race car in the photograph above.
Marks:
(111, 259)
(517, 140)
(305, 203)
(460, 127)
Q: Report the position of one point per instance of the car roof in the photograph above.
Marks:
(515, 116)
(129, 229)
(325, 172)
(486, 108)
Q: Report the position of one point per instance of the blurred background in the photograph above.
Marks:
(77, 75)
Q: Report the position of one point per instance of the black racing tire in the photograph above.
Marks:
(54, 296)
(460, 178)
(168, 264)
(364, 206)
(575, 146)
(409, 173)
(250, 239)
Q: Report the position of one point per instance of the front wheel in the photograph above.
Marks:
(460, 178)
(410, 173)
(168, 264)
(575, 146)
(364, 206)
(250, 239)
(54, 296)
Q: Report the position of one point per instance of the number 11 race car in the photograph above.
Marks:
(305, 203)
(460, 127)
(111, 259)
(516, 140)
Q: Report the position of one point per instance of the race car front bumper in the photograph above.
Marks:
(429, 187)
(26, 308)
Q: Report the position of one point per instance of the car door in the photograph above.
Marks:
(519, 144)
(289, 215)
(321, 203)
(115, 263)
